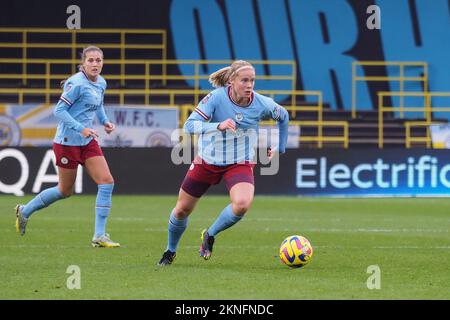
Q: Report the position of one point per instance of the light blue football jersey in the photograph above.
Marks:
(227, 147)
(81, 100)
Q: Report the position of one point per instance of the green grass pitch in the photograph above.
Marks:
(408, 239)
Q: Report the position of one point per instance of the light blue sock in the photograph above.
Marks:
(42, 200)
(102, 208)
(176, 229)
(225, 220)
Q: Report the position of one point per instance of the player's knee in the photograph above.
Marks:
(106, 180)
(241, 206)
(182, 211)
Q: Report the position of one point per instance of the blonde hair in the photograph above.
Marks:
(83, 57)
(221, 77)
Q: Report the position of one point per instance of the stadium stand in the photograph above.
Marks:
(34, 61)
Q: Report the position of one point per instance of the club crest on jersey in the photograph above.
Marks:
(239, 116)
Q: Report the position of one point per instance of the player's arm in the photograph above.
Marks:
(103, 119)
(200, 119)
(68, 98)
(280, 114)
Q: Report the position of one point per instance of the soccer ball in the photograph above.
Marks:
(296, 251)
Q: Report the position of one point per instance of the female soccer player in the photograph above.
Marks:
(227, 120)
(75, 143)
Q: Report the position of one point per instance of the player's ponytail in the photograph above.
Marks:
(222, 77)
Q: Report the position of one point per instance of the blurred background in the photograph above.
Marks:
(366, 84)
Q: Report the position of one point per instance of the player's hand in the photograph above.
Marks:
(109, 127)
(88, 132)
(227, 124)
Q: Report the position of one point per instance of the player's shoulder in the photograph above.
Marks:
(213, 96)
(218, 92)
(76, 80)
(263, 100)
(73, 83)
(101, 81)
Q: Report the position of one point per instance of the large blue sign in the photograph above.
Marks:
(323, 36)
(373, 172)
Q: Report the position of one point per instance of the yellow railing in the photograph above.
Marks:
(401, 78)
(427, 109)
(172, 95)
(294, 107)
(320, 138)
(118, 39)
(150, 70)
(412, 139)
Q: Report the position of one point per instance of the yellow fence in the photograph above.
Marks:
(175, 96)
(150, 70)
(427, 110)
(42, 73)
(401, 78)
(410, 139)
(31, 41)
(320, 138)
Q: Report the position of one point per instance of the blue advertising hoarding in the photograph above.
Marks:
(378, 172)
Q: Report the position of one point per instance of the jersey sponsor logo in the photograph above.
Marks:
(95, 93)
(92, 107)
(68, 87)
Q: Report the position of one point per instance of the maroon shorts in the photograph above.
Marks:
(202, 175)
(70, 157)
